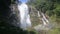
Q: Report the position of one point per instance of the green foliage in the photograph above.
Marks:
(55, 31)
(49, 7)
(52, 9)
(45, 5)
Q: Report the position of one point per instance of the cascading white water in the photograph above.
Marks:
(24, 16)
(44, 19)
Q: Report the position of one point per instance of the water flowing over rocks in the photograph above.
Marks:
(24, 16)
(38, 19)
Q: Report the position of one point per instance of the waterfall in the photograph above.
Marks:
(44, 19)
(24, 16)
(46, 25)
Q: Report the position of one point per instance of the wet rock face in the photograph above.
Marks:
(8, 13)
(34, 16)
(14, 16)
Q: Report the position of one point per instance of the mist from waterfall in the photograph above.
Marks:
(24, 16)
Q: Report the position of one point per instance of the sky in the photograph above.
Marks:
(24, 1)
